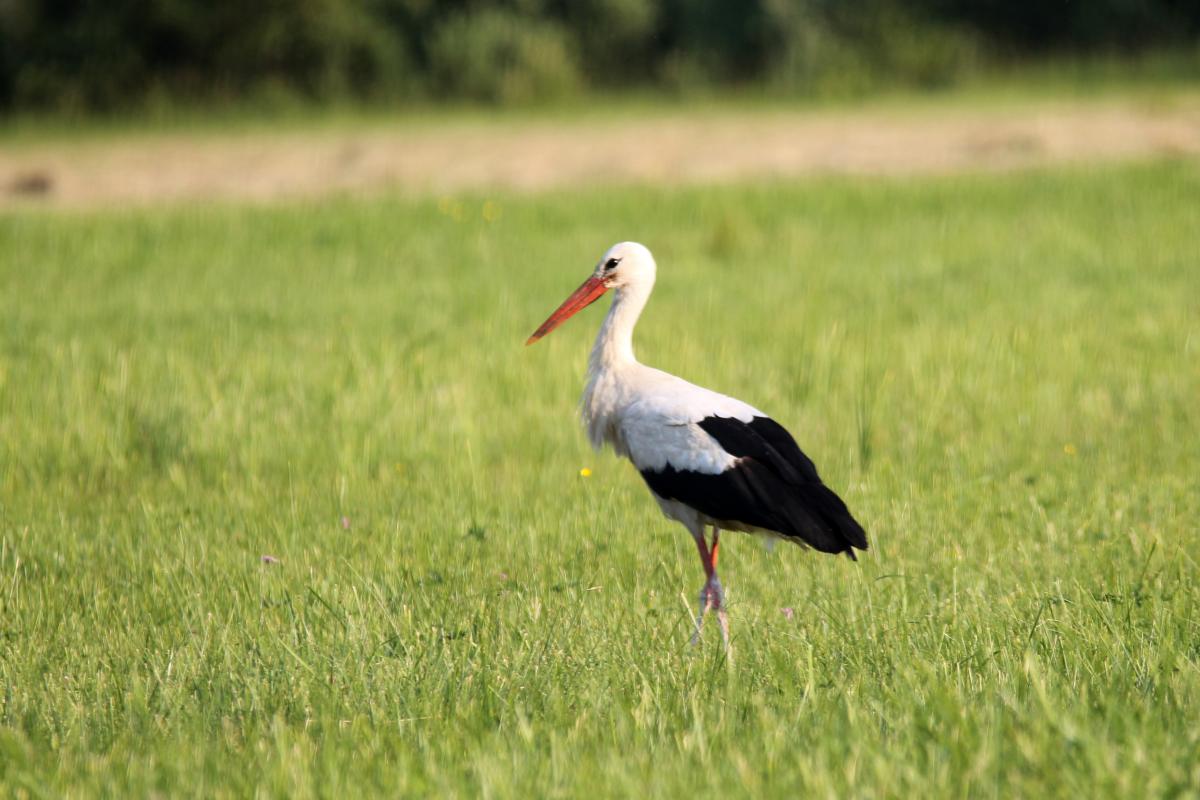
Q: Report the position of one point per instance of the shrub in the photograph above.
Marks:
(850, 48)
(501, 57)
(107, 54)
(101, 56)
(616, 39)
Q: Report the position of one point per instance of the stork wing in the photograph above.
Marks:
(746, 470)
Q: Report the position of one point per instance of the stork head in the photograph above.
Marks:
(626, 265)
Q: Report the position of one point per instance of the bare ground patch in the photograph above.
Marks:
(673, 147)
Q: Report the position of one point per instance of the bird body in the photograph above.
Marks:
(710, 460)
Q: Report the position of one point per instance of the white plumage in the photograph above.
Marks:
(653, 420)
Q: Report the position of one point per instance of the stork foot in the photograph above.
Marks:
(712, 598)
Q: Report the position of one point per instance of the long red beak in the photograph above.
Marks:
(580, 299)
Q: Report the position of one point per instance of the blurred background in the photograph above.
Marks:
(479, 95)
(84, 56)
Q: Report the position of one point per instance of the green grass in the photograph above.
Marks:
(1001, 375)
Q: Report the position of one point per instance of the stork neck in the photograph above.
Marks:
(614, 343)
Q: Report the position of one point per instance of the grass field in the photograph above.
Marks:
(1001, 375)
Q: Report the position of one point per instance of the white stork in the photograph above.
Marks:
(709, 460)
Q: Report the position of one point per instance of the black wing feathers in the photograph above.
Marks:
(773, 486)
(764, 439)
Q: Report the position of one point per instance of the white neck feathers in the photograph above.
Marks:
(614, 343)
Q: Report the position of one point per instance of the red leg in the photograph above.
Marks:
(708, 559)
(712, 597)
(717, 593)
(705, 599)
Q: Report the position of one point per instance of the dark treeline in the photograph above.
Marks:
(95, 55)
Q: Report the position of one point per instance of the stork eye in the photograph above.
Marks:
(611, 264)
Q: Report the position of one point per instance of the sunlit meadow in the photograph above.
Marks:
(287, 508)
